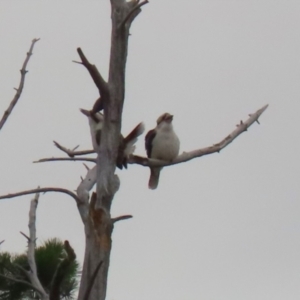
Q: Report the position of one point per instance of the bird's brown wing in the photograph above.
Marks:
(121, 158)
(148, 141)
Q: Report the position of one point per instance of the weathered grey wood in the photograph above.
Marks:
(99, 225)
(32, 274)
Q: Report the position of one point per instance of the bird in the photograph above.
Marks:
(126, 146)
(161, 143)
(96, 123)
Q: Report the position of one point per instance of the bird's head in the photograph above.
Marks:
(165, 118)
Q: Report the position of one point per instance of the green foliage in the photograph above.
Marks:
(10, 290)
(48, 257)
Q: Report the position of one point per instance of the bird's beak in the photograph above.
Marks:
(85, 112)
(170, 118)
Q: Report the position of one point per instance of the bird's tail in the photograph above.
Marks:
(154, 178)
(127, 146)
(131, 139)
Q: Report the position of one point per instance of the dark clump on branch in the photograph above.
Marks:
(62, 272)
(98, 106)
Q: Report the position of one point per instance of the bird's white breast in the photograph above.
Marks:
(165, 145)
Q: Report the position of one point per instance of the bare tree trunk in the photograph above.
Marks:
(97, 251)
(99, 225)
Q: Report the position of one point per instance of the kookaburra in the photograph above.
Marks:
(161, 143)
(126, 146)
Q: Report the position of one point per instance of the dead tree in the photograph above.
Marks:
(95, 210)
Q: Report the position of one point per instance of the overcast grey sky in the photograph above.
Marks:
(222, 227)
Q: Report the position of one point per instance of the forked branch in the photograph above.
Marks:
(72, 152)
(135, 10)
(96, 76)
(20, 88)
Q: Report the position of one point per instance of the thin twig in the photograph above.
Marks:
(87, 168)
(77, 62)
(72, 153)
(186, 156)
(120, 218)
(41, 190)
(25, 235)
(66, 159)
(20, 88)
(2, 242)
(138, 6)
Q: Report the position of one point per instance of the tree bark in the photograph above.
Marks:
(98, 247)
(99, 224)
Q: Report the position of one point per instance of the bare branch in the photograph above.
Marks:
(130, 14)
(25, 235)
(2, 242)
(66, 159)
(33, 276)
(21, 281)
(42, 190)
(72, 153)
(96, 76)
(120, 218)
(20, 88)
(186, 156)
(76, 147)
(87, 168)
(77, 62)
